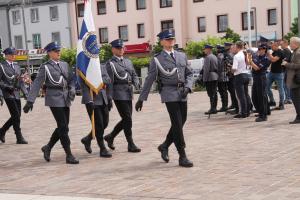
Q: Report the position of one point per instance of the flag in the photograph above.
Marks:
(87, 61)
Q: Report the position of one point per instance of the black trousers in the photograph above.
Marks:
(295, 95)
(101, 121)
(241, 87)
(14, 108)
(125, 111)
(222, 88)
(259, 95)
(62, 117)
(178, 114)
(231, 90)
(211, 88)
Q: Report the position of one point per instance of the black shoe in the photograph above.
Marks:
(261, 119)
(231, 107)
(223, 109)
(20, 139)
(87, 144)
(280, 107)
(2, 136)
(240, 116)
(164, 153)
(133, 148)
(70, 159)
(105, 153)
(272, 103)
(211, 111)
(184, 162)
(110, 142)
(296, 121)
(46, 150)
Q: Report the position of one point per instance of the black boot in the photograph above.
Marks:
(20, 139)
(223, 109)
(110, 141)
(47, 151)
(211, 111)
(86, 141)
(70, 159)
(103, 151)
(2, 135)
(164, 153)
(183, 160)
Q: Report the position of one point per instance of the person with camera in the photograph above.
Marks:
(293, 76)
(259, 64)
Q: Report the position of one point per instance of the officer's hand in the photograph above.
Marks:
(185, 92)
(139, 105)
(1, 101)
(109, 104)
(91, 105)
(72, 95)
(28, 106)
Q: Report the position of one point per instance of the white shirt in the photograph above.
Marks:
(239, 64)
(169, 52)
(56, 62)
(10, 64)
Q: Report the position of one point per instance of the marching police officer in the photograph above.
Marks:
(210, 78)
(123, 78)
(11, 83)
(260, 64)
(170, 69)
(223, 78)
(100, 105)
(228, 61)
(60, 91)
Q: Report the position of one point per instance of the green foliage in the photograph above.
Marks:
(293, 31)
(1, 57)
(105, 53)
(69, 56)
(139, 63)
(157, 47)
(231, 35)
(195, 49)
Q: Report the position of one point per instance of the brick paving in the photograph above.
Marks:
(234, 159)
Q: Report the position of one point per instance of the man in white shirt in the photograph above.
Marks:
(241, 81)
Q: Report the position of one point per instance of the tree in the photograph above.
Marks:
(157, 47)
(231, 35)
(293, 31)
(1, 57)
(105, 53)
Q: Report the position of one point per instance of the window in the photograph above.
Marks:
(222, 23)
(272, 17)
(201, 24)
(53, 13)
(34, 15)
(121, 5)
(103, 35)
(245, 21)
(16, 17)
(56, 37)
(141, 30)
(123, 33)
(196, 1)
(140, 4)
(18, 42)
(166, 25)
(165, 3)
(80, 10)
(36, 41)
(101, 7)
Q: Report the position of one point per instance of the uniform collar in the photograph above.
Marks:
(119, 58)
(169, 52)
(10, 63)
(56, 62)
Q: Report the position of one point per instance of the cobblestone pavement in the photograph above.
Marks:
(234, 159)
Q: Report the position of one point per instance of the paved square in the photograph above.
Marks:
(234, 159)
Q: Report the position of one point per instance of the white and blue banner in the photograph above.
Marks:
(87, 61)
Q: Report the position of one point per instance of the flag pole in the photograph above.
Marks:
(93, 116)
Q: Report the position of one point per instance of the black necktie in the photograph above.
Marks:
(172, 55)
(121, 59)
(12, 66)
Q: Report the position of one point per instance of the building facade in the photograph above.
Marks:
(138, 21)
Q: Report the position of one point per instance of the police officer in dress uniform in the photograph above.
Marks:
(11, 83)
(60, 91)
(259, 64)
(223, 78)
(100, 104)
(210, 78)
(123, 78)
(170, 69)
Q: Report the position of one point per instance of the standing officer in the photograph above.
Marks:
(99, 105)
(260, 64)
(223, 78)
(170, 69)
(123, 78)
(10, 85)
(210, 78)
(60, 91)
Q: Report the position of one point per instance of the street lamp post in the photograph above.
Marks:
(249, 24)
